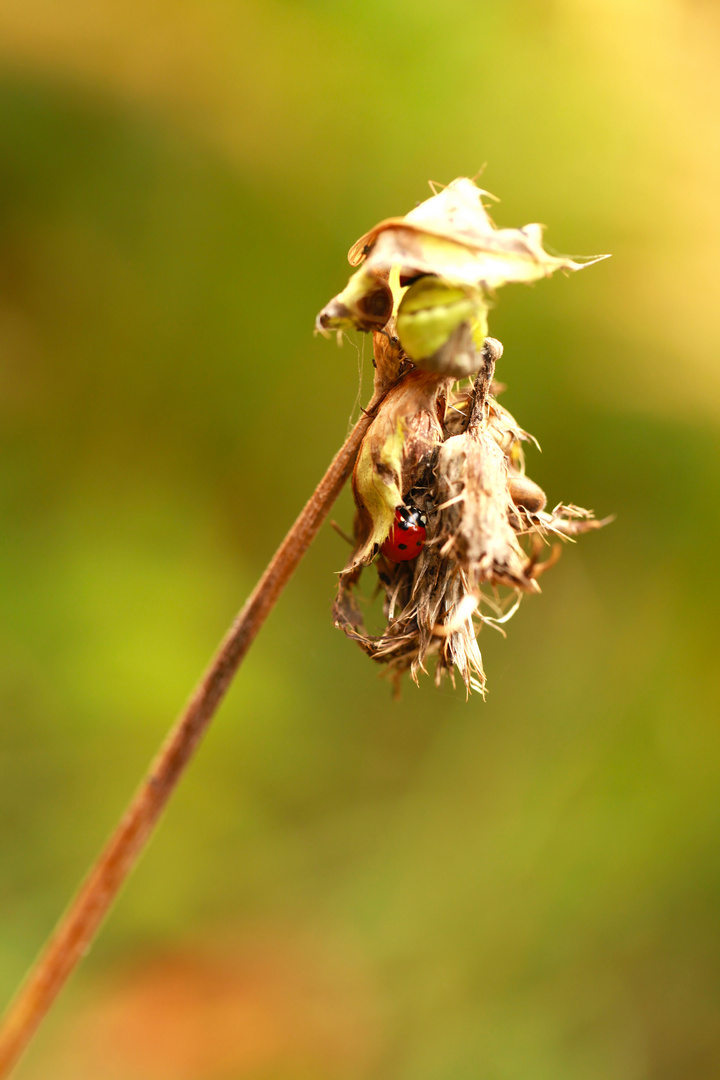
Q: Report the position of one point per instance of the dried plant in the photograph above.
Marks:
(449, 451)
(424, 290)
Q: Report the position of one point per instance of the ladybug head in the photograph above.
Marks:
(409, 517)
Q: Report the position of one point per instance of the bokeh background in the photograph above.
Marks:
(345, 887)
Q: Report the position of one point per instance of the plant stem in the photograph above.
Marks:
(77, 928)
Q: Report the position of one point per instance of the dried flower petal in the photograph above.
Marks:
(451, 235)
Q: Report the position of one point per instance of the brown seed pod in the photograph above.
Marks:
(366, 303)
(526, 493)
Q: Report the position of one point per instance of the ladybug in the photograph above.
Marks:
(407, 535)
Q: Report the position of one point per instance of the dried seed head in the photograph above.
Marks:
(485, 525)
(451, 453)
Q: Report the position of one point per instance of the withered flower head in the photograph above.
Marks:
(441, 461)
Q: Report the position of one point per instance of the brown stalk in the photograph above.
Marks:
(77, 928)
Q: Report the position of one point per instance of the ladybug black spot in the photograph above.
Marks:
(403, 547)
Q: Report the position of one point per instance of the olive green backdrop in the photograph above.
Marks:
(346, 888)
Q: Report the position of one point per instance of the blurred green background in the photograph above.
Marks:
(344, 887)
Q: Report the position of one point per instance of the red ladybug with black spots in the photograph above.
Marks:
(406, 536)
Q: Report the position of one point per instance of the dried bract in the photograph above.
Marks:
(396, 452)
(442, 327)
